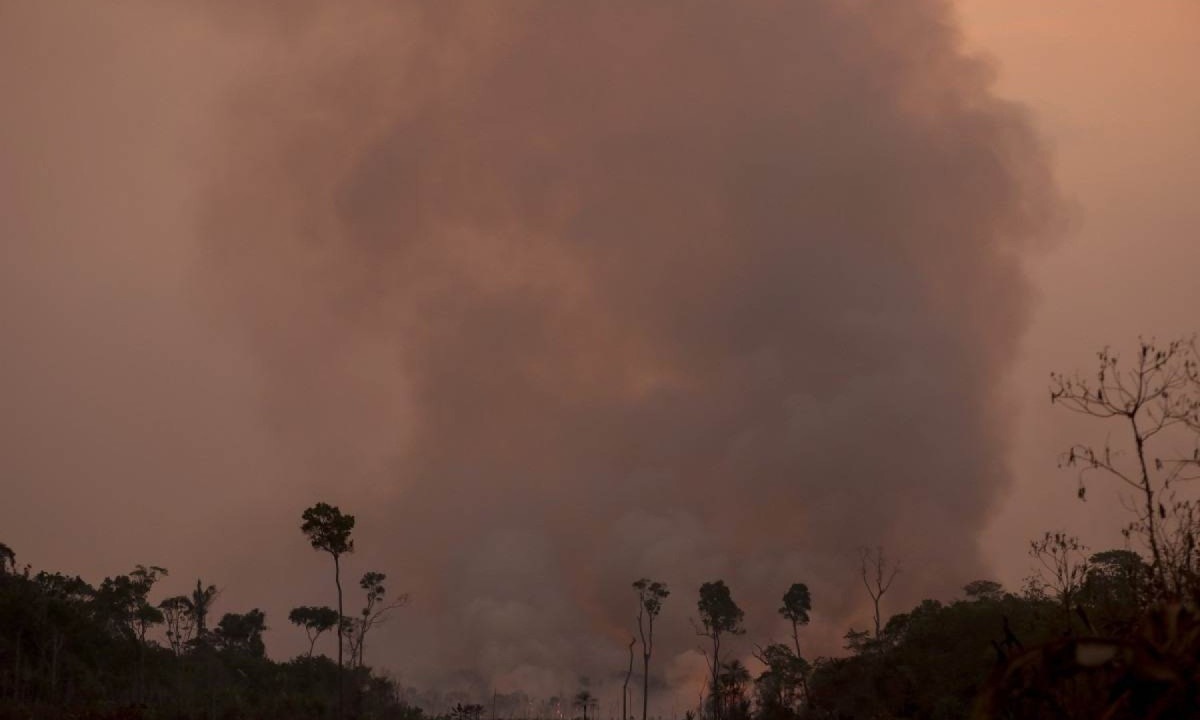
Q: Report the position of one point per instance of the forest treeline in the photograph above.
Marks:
(69, 649)
(1109, 634)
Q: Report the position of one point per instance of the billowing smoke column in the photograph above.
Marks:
(564, 294)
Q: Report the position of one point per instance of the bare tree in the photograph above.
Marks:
(877, 576)
(1156, 397)
(1064, 567)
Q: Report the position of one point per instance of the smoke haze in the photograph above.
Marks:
(551, 297)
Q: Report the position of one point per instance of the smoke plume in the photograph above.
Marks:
(585, 292)
(557, 295)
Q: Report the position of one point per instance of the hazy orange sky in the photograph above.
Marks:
(1113, 86)
(209, 321)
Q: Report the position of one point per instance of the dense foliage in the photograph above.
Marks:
(68, 647)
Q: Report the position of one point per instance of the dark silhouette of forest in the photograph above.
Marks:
(70, 649)
(1108, 634)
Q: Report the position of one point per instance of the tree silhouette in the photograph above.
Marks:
(145, 615)
(1114, 589)
(8, 560)
(179, 620)
(877, 576)
(242, 632)
(625, 687)
(1156, 397)
(777, 685)
(315, 621)
(719, 615)
(328, 530)
(199, 604)
(797, 604)
(585, 701)
(466, 712)
(372, 614)
(650, 597)
(984, 590)
(68, 649)
(1064, 568)
(122, 602)
(732, 694)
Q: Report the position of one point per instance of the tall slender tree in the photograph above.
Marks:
(797, 604)
(328, 530)
(719, 616)
(650, 597)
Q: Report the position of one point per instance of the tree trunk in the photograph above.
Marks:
(715, 691)
(803, 677)
(645, 683)
(1148, 490)
(337, 579)
(647, 648)
(625, 687)
(877, 615)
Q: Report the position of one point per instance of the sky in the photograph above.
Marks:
(1114, 96)
(558, 296)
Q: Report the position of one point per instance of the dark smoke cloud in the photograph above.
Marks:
(556, 295)
(592, 291)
